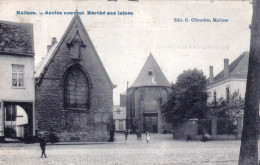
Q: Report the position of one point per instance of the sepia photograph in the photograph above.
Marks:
(122, 82)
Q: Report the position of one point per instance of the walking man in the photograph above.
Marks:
(126, 134)
(42, 145)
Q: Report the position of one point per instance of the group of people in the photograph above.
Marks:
(43, 142)
(139, 135)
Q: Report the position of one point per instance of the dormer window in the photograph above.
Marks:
(150, 73)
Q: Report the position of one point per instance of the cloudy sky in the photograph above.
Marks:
(124, 42)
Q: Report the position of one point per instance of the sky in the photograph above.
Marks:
(124, 42)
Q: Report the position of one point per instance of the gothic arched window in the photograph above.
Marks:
(76, 89)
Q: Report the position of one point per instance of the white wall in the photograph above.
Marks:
(23, 118)
(9, 93)
(239, 84)
(117, 125)
(234, 84)
(121, 115)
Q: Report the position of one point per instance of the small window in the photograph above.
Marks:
(150, 73)
(227, 94)
(17, 75)
(215, 97)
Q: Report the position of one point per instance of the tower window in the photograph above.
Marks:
(150, 73)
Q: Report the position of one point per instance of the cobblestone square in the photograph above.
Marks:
(161, 150)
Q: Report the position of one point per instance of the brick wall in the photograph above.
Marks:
(74, 125)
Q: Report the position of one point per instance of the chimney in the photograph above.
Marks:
(211, 75)
(53, 41)
(226, 67)
(48, 48)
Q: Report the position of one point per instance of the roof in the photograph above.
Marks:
(16, 38)
(40, 69)
(41, 66)
(238, 68)
(156, 78)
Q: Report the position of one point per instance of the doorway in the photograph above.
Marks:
(18, 119)
(151, 123)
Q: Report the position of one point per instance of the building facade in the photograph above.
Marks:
(231, 79)
(119, 116)
(145, 97)
(74, 94)
(17, 86)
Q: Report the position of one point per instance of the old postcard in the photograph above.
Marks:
(123, 81)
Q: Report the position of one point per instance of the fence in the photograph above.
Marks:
(217, 128)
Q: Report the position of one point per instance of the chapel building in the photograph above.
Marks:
(145, 97)
(74, 94)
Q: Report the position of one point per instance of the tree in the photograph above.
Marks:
(227, 112)
(231, 108)
(249, 140)
(188, 98)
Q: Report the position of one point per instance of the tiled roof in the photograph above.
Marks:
(16, 38)
(238, 68)
(156, 78)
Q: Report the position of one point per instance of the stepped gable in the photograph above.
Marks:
(151, 75)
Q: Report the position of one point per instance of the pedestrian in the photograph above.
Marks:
(126, 134)
(43, 145)
(188, 137)
(112, 134)
(148, 137)
(139, 135)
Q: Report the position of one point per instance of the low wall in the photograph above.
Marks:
(190, 129)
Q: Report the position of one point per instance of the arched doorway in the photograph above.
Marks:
(18, 119)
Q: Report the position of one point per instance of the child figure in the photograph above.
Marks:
(148, 137)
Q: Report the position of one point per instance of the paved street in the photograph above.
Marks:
(161, 150)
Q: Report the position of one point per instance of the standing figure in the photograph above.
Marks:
(139, 135)
(148, 137)
(112, 134)
(126, 134)
(43, 145)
